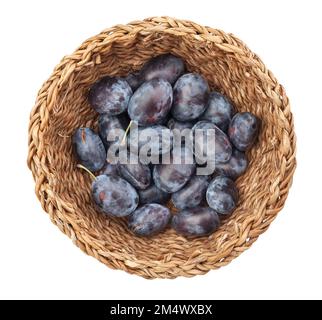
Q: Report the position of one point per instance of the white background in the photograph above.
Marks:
(38, 261)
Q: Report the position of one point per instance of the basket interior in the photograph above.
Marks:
(237, 78)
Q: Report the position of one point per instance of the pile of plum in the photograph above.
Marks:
(162, 99)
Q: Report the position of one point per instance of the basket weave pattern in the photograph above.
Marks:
(230, 67)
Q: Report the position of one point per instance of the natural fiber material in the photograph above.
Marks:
(230, 67)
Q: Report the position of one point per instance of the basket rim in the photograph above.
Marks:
(83, 55)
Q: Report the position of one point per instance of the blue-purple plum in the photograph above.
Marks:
(219, 144)
(109, 126)
(134, 80)
(243, 130)
(157, 137)
(222, 195)
(179, 125)
(173, 176)
(219, 111)
(180, 129)
(167, 67)
(149, 219)
(153, 195)
(235, 167)
(151, 102)
(114, 195)
(109, 169)
(124, 119)
(190, 94)
(138, 174)
(110, 95)
(195, 222)
(89, 149)
(191, 194)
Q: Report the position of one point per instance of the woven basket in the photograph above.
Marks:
(230, 67)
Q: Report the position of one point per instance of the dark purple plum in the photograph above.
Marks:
(133, 79)
(243, 130)
(166, 67)
(190, 94)
(138, 174)
(124, 119)
(89, 149)
(157, 139)
(180, 129)
(222, 195)
(235, 167)
(172, 177)
(153, 195)
(174, 124)
(109, 169)
(196, 222)
(110, 127)
(114, 195)
(149, 219)
(110, 95)
(151, 102)
(191, 194)
(219, 111)
(166, 119)
(219, 143)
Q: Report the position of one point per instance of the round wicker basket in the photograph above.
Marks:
(230, 67)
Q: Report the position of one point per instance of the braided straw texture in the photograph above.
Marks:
(230, 67)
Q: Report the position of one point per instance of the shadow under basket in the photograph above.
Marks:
(229, 67)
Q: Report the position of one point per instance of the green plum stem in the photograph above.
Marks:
(87, 170)
(126, 132)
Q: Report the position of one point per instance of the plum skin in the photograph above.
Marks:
(190, 94)
(149, 219)
(114, 195)
(222, 195)
(219, 111)
(191, 194)
(167, 67)
(108, 125)
(172, 177)
(109, 169)
(243, 130)
(151, 136)
(235, 167)
(151, 102)
(153, 195)
(138, 175)
(178, 129)
(195, 222)
(110, 95)
(222, 145)
(89, 149)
